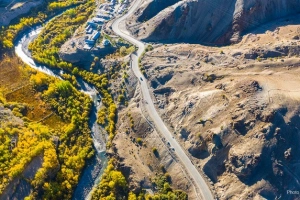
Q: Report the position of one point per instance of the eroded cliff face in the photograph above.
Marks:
(208, 21)
(253, 13)
(153, 8)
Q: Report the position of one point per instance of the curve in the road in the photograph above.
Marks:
(199, 181)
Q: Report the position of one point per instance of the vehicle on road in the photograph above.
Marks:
(191, 169)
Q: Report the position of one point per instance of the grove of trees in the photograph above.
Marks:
(113, 186)
(64, 150)
(8, 34)
(45, 48)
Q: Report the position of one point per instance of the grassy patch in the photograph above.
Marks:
(15, 86)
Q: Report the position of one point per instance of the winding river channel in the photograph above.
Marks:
(91, 174)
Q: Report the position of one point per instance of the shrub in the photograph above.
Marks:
(155, 151)
(139, 141)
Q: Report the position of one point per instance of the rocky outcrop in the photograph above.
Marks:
(243, 165)
(20, 187)
(74, 51)
(279, 51)
(161, 79)
(153, 8)
(198, 148)
(165, 90)
(210, 21)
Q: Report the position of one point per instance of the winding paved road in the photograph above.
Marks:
(186, 162)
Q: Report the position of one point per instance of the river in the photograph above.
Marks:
(93, 170)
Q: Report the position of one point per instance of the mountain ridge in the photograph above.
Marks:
(216, 22)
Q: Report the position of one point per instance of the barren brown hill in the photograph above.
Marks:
(235, 109)
(206, 21)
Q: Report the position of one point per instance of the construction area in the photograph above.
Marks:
(92, 36)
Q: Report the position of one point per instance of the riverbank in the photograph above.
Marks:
(92, 171)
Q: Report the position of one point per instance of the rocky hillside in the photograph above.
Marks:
(235, 109)
(207, 21)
